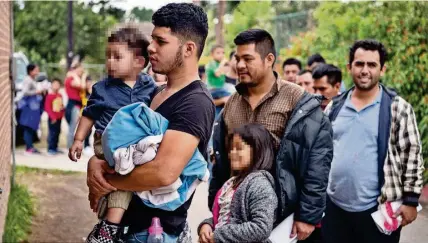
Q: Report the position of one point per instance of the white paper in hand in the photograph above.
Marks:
(281, 234)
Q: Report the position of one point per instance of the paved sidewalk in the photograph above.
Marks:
(44, 161)
(415, 233)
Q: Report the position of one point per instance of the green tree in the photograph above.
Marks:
(246, 15)
(40, 31)
(401, 26)
(142, 14)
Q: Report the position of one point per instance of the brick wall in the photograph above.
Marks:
(5, 108)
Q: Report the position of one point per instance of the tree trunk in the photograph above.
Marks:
(219, 28)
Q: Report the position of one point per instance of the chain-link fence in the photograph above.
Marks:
(287, 25)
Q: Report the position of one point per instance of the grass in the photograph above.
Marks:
(24, 169)
(19, 214)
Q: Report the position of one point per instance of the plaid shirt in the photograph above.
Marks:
(403, 165)
(273, 110)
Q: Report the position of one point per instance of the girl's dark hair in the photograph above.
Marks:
(260, 141)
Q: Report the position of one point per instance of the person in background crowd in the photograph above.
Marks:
(29, 102)
(291, 67)
(314, 61)
(263, 97)
(304, 79)
(74, 83)
(377, 153)
(54, 107)
(327, 82)
(216, 70)
(232, 75)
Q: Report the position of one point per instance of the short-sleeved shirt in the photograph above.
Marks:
(72, 92)
(273, 111)
(214, 81)
(190, 110)
(109, 95)
(354, 181)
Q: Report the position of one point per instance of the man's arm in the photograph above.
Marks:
(313, 192)
(175, 151)
(410, 151)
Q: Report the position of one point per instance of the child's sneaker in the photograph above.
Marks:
(105, 232)
(32, 151)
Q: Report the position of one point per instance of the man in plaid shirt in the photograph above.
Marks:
(377, 153)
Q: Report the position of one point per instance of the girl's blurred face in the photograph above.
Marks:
(240, 154)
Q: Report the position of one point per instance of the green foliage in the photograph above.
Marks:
(19, 213)
(40, 31)
(246, 15)
(142, 14)
(401, 26)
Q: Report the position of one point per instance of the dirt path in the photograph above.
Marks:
(62, 208)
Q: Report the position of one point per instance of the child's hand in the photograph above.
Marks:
(75, 150)
(206, 234)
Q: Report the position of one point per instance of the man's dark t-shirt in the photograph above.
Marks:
(190, 110)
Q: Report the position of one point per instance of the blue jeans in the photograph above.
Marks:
(28, 137)
(72, 113)
(142, 237)
(54, 131)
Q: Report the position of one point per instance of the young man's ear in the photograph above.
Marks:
(348, 67)
(189, 48)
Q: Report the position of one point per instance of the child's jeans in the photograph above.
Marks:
(53, 136)
(184, 237)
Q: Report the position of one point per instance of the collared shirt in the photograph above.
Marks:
(109, 95)
(273, 110)
(354, 181)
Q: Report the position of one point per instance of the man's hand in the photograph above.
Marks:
(407, 213)
(206, 234)
(303, 230)
(75, 150)
(96, 182)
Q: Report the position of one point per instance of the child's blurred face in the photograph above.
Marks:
(55, 86)
(122, 62)
(218, 54)
(240, 154)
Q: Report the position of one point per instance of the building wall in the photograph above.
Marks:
(5, 108)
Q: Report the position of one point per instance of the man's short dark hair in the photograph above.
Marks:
(368, 45)
(261, 38)
(292, 61)
(134, 38)
(215, 47)
(333, 73)
(186, 20)
(201, 69)
(31, 67)
(304, 71)
(232, 53)
(315, 58)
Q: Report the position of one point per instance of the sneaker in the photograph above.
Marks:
(52, 152)
(32, 151)
(58, 151)
(105, 232)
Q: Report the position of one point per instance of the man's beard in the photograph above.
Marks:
(367, 86)
(171, 66)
